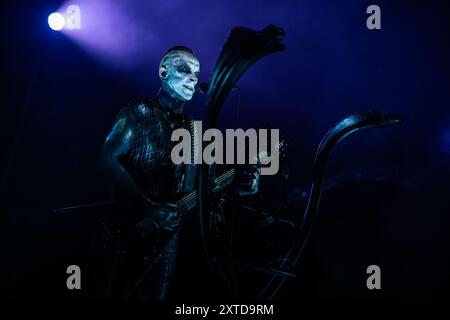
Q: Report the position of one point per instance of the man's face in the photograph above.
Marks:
(179, 75)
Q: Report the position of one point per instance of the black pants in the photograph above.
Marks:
(132, 278)
(157, 281)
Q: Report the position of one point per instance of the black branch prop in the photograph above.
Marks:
(241, 50)
(350, 125)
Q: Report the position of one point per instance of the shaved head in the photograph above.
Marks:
(178, 70)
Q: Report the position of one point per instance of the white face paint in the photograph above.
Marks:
(182, 75)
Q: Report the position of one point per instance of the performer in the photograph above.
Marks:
(136, 156)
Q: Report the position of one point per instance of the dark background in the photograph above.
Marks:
(60, 97)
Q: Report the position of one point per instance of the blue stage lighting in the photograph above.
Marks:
(446, 141)
(56, 21)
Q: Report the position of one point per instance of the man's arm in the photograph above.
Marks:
(115, 146)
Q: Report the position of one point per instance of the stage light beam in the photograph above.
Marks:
(73, 17)
(56, 21)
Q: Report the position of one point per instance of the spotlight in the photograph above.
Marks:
(56, 21)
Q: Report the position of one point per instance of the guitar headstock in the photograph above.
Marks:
(282, 147)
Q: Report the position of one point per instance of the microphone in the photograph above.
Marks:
(204, 86)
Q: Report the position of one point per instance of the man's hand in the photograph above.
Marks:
(158, 217)
(250, 183)
(164, 215)
(167, 217)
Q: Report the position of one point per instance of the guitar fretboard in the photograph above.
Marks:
(190, 201)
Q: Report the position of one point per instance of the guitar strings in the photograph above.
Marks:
(183, 203)
(191, 197)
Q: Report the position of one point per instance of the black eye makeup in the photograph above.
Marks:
(184, 68)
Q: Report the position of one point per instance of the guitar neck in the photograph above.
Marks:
(189, 201)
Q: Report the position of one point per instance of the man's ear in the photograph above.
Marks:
(163, 72)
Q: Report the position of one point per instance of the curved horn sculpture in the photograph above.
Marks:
(353, 123)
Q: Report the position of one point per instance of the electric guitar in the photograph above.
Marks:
(183, 206)
(150, 238)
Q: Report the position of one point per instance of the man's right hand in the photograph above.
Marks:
(164, 215)
(168, 217)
